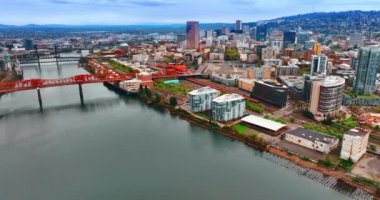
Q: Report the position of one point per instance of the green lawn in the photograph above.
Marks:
(350, 122)
(178, 89)
(276, 119)
(121, 67)
(256, 107)
(333, 131)
(241, 129)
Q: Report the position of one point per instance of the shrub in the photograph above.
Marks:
(327, 162)
(173, 101)
(308, 114)
(373, 147)
(346, 165)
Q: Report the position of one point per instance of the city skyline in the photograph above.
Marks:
(130, 12)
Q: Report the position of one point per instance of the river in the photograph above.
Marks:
(115, 147)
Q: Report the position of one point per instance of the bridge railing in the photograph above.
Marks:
(43, 83)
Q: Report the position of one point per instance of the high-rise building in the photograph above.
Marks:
(193, 34)
(201, 99)
(303, 37)
(239, 25)
(209, 33)
(354, 145)
(356, 39)
(326, 95)
(246, 30)
(317, 48)
(369, 62)
(225, 30)
(261, 33)
(28, 44)
(273, 93)
(319, 65)
(228, 107)
(289, 38)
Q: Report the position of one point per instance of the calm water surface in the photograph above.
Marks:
(115, 148)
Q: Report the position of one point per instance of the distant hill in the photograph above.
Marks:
(333, 15)
(324, 22)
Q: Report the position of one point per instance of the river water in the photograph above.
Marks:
(115, 148)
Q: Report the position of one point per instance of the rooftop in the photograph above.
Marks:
(331, 81)
(262, 122)
(203, 90)
(228, 97)
(356, 132)
(312, 135)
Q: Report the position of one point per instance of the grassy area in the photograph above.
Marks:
(178, 89)
(366, 182)
(327, 130)
(276, 119)
(350, 122)
(374, 137)
(241, 129)
(350, 93)
(256, 107)
(121, 67)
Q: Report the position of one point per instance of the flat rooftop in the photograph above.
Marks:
(203, 90)
(228, 97)
(264, 123)
(312, 135)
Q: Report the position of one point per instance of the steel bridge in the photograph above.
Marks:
(37, 58)
(34, 59)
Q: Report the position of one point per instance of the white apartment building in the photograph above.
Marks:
(354, 145)
(201, 99)
(228, 107)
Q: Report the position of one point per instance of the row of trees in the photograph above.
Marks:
(147, 94)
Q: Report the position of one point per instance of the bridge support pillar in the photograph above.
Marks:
(81, 94)
(40, 99)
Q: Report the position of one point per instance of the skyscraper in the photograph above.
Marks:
(289, 38)
(261, 33)
(193, 34)
(369, 61)
(319, 64)
(239, 25)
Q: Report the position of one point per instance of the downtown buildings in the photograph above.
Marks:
(193, 34)
(326, 94)
(319, 65)
(366, 69)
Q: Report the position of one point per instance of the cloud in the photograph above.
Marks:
(140, 3)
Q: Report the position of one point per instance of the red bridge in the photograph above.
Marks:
(31, 84)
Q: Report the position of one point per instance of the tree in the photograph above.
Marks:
(173, 101)
(373, 147)
(157, 98)
(308, 114)
(328, 120)
(147, 92)
(231, 54)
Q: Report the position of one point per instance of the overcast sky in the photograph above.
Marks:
(99, 12)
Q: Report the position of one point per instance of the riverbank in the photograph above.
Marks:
(254, 142)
